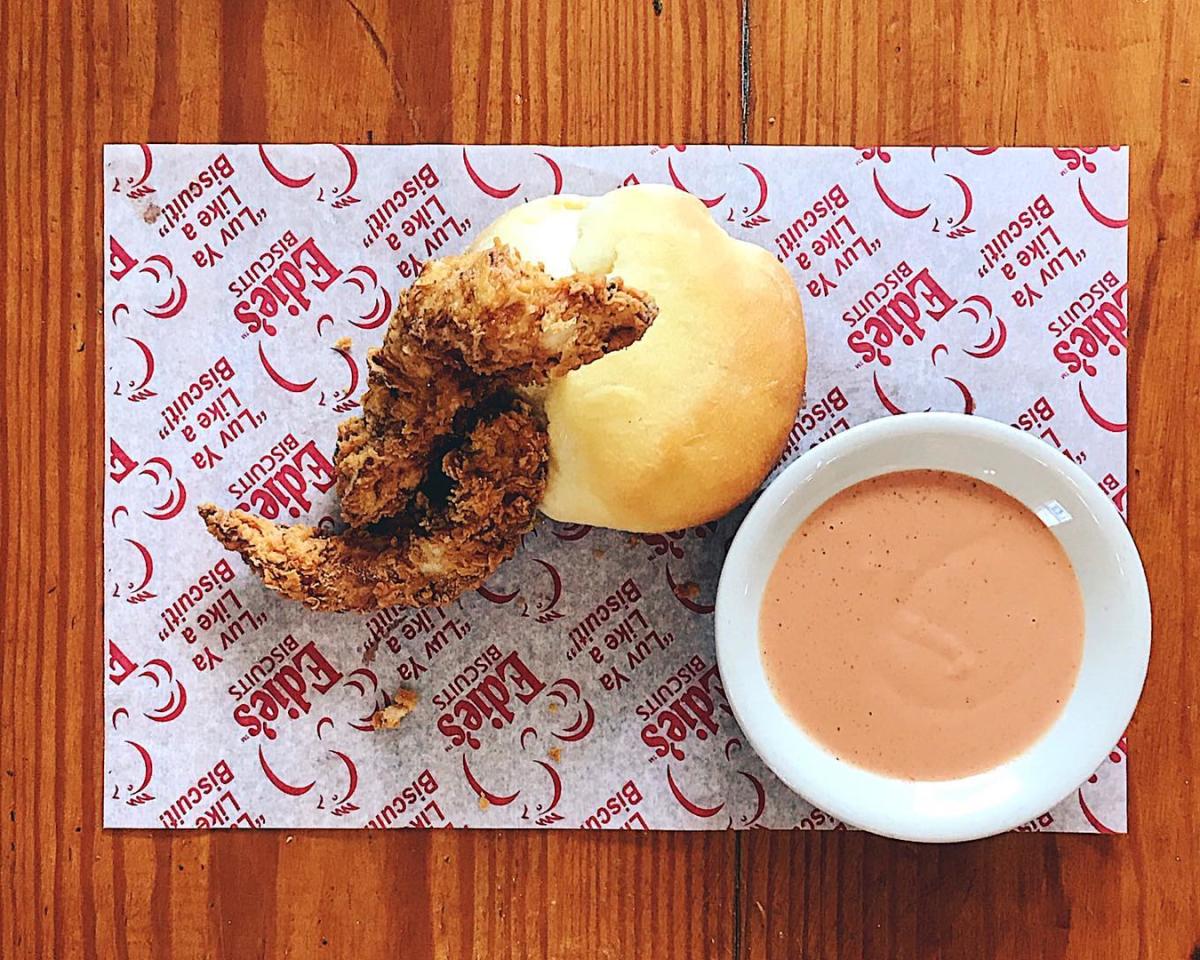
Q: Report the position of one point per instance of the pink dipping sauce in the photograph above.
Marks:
(923, 624)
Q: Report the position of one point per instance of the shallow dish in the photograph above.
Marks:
(1116, 644)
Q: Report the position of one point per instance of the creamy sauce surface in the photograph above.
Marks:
(923, 624)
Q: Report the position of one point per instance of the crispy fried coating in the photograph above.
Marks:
(468, 326)
(403, 703)
(495, 482)
(442, 474)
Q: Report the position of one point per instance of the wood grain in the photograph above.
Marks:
(73, 76)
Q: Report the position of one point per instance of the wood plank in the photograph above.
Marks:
(73, 76)
(980, 72)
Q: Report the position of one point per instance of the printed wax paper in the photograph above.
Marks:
(244, 285)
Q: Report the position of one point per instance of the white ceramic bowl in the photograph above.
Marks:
(1116, 627)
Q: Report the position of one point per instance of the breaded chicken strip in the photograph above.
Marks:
(496, 480)
(468, 326)
(442, 474)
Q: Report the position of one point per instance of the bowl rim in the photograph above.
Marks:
(776, 501)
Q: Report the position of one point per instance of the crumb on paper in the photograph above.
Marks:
(689, 589)
(552, 706)
(369, 650)
(343, 343)
(401, 706)
(555, 754)
(598, 552)
(151, 213)
(483, 802)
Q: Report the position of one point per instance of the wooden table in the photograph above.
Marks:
(74, 75)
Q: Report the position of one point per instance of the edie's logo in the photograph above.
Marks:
(694, 710)
(900, 319)
(1104, 330)
(288, 691)
(286, 287)
(490, 701)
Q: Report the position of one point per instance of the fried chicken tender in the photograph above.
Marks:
(442, 474)
(496, 481)
(468, 326)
